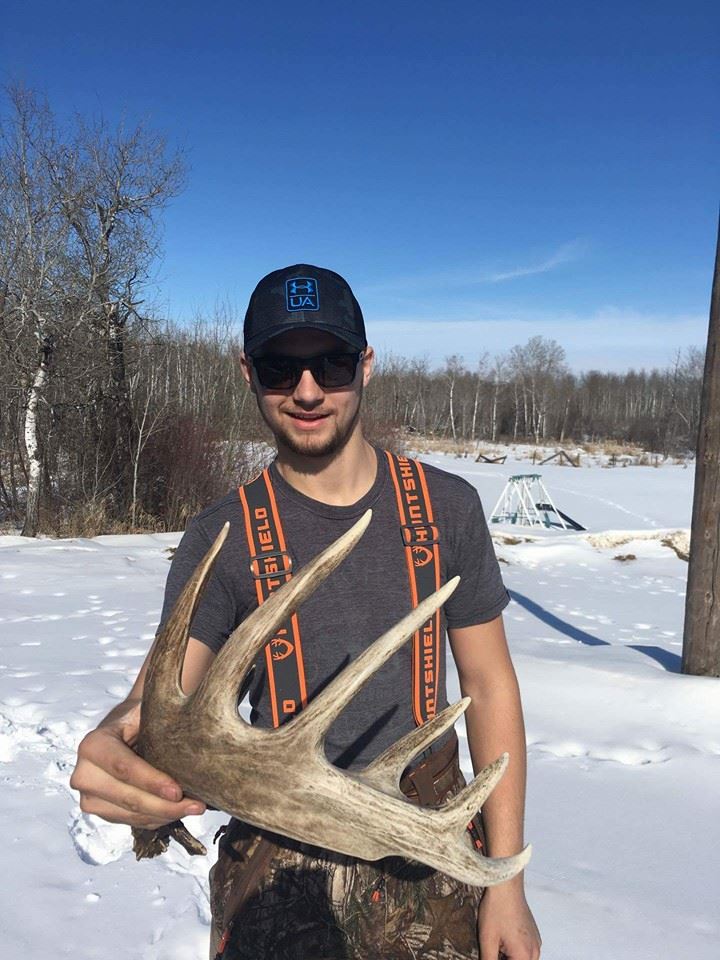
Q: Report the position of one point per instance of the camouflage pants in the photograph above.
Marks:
(299, 902)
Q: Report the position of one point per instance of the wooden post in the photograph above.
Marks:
(701, 645)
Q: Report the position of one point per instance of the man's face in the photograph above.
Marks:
(310, 420)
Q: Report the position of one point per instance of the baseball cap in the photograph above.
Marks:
(303, 296)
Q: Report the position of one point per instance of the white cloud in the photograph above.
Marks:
(611, 339)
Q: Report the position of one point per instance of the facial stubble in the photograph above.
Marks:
(305, 447)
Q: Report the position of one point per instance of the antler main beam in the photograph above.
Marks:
(280, 780)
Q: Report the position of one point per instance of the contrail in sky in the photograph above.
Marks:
(566, 253)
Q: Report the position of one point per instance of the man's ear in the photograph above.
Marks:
(246, 368)
(368, 362)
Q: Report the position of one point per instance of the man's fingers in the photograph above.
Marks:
(105, 750)
(489, 947)
(100, 790)
(114, 814)
(118, 785)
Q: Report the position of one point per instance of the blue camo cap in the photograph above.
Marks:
(298, 296)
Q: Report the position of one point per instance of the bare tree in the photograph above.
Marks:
(32, 264)
(148, 417)
(479, 377)
(536, 368)
(78, 209)
(701, 646)
(453, 369)
(499, 372)
(112, 184)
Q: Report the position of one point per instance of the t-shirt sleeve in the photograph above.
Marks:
(217, 614)
(481, 595)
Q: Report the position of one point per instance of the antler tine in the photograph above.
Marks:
(310, 726)
(219, 688)
(385, 771)
(470, 867)
(166, 661)
(461, 808)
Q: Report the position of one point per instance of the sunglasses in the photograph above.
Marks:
(329, 370)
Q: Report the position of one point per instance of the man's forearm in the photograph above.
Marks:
(495, 726)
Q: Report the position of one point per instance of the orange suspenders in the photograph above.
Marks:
(422, 554)
(271, 566)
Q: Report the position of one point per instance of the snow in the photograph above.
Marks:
(624, 753)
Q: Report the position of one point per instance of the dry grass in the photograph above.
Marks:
(93, 519)
(447, 445)
(619, 453)
(612, 448)
(510, 540)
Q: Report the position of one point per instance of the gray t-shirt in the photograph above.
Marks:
(358, 602)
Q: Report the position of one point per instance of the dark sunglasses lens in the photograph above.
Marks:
(276, 373)
(336, 371)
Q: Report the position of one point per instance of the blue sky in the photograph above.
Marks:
(480, 172)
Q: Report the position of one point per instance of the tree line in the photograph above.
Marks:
(529, 394)
(113, 419)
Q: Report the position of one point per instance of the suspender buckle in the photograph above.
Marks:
(265, 566)
(420, 535)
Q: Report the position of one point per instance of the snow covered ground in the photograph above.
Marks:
(624, 753)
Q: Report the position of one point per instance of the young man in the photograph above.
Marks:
(307, 361)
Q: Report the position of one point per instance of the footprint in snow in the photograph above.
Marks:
(97, 842)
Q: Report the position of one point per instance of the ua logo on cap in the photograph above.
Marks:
(301, 293)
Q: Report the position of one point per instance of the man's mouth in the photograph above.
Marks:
(308, 421)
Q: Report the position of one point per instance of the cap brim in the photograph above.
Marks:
(259, 340)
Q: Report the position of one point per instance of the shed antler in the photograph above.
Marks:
(280, 779)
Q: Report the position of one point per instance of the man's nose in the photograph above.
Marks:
(307, 390)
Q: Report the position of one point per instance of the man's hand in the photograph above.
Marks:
(119, 786)
(506, 927)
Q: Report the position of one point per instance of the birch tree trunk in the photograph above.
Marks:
(701, 646)
(452, 409)
(475, 409)
(32, 441)
(495, 400)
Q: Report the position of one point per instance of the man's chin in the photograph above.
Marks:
(316, 447)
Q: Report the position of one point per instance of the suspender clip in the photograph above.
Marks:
(420, 535)
(265, 566)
